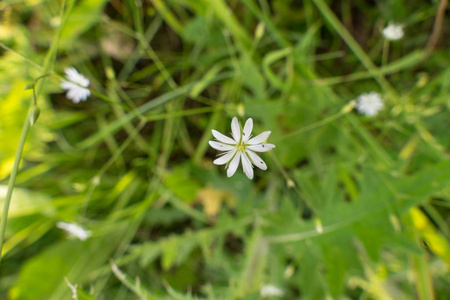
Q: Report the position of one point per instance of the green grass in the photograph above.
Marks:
(351, 207)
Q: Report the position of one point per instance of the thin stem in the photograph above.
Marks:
(95, 180)
(329, 15)
(423, 283)
(292, 184)
(346, 109)
(21, 55)
(300, 236)
(437, 28)
(385, 54)
(34, 97)
(12, 179)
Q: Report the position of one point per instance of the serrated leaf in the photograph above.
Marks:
(169, 252)
(148, 253)
(175, 250)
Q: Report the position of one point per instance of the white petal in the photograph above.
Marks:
(84, 81)
(247, 166)
(67, 85)
(220, 146)
(73, 75)
(247, 130)
(256, 160)
(261, 147)
(223, 138)
(86, 94)
(236, 130)
(232, 167)
(393, 32)
(259, 138)
(369, 103)
(74, 230)
(226, 157)
(271, 291)
(72, 95)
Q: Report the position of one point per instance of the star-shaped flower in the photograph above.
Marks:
(369, 104)
(76, 86)
(74, 230)
(393, 32)
(268, 291)
(241, 147)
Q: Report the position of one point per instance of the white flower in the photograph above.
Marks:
(241, 147)
(393, 32)
(271, 291)
(369, 104)
(74, 230)
(76, 86)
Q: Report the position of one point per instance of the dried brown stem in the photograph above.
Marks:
(437, 28)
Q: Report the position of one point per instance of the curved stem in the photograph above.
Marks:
(12, 179)
(346, 109)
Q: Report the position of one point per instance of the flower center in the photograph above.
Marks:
(242, 147)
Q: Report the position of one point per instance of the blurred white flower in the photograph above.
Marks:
(369, 104)
(393, 32)
(74, 230)
(241, 147)
(76, 86)
(271, 291)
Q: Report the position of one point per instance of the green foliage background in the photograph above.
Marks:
(350, 207)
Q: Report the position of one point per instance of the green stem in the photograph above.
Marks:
(354, 46)
(12, 179)
(345, 110)
(384, 55)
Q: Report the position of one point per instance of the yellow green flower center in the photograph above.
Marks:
(241, 147)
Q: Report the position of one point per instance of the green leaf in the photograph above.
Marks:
(83, 16)
(182, 184)
(251, 76)
(425, 183)
(256, 258)
(196, 29)
(34, 114)
(339, 256)
(169, 252)
(52, 264)
(82, 295)
(66, 118)
(311, 277)
(29, 86)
